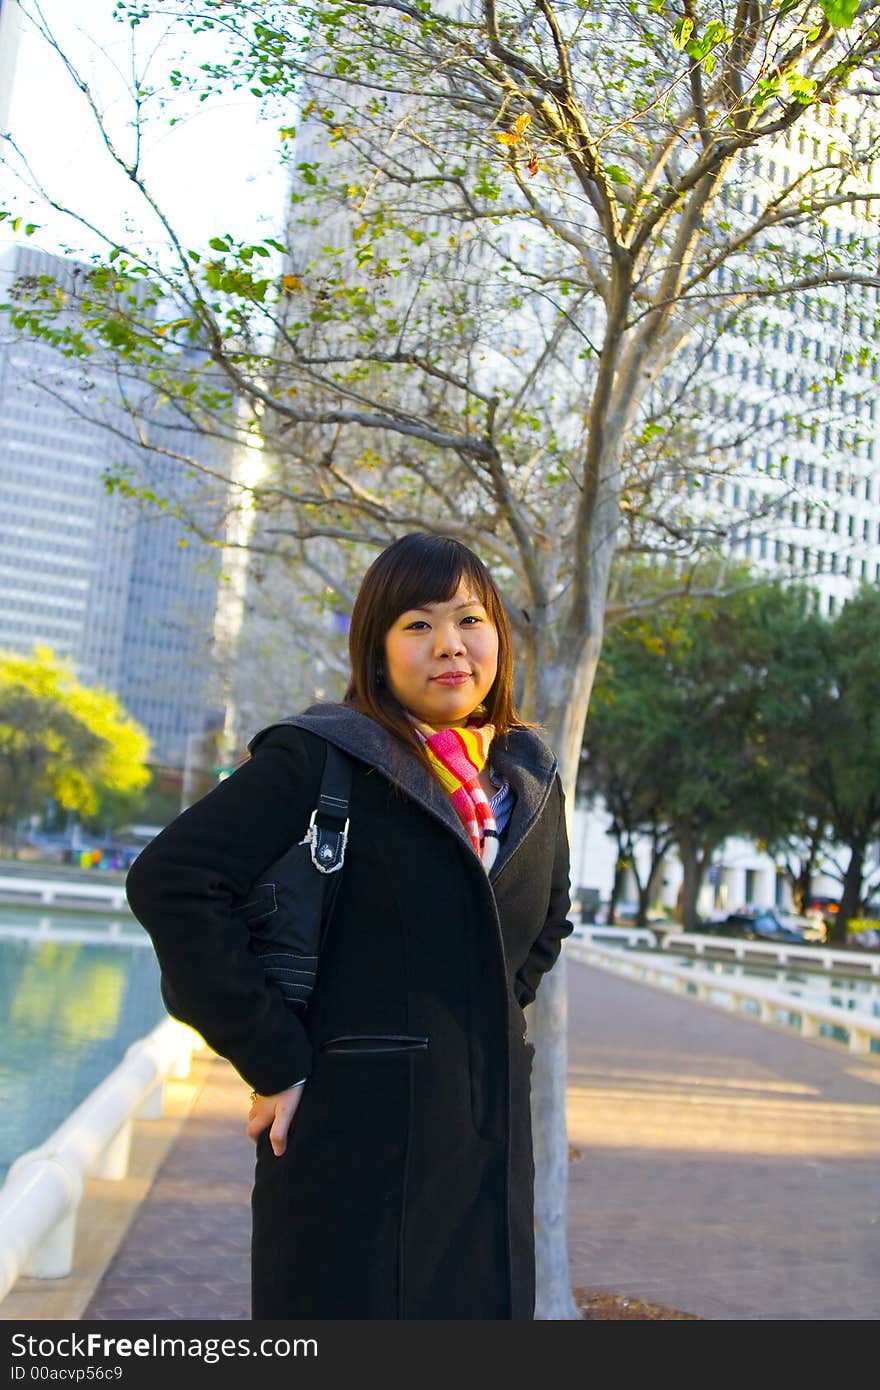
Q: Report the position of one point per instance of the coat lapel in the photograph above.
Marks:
(524, 759)
(530, 767)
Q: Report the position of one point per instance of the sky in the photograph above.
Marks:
(216, 171)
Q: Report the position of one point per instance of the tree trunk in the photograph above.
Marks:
(563, 700)
(616, 886)
(851, 897)
(693, 866)
(649, 893)
(802, 885)
(644, 903)
(655, 882)
(553, 1296)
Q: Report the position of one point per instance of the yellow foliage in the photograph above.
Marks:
(79, 736)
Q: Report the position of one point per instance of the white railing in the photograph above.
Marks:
(615, 936)
(710, 988)
(41, 1195)
(116, 933)
(785, 953)
(59, 891)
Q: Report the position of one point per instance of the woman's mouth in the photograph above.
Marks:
(457, 678)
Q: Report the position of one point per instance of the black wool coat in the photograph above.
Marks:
(406, 1190)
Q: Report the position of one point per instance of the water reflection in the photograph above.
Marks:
(68, 1011)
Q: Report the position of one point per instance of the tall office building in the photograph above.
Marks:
(797, 388)
(10, 19)
(118, 588)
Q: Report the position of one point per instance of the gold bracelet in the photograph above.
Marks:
(253, 1097)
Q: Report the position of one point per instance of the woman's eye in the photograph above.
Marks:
(420, 622)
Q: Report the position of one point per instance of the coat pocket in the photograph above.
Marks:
(375, 1042)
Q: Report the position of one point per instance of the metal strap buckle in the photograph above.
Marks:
(326, 858)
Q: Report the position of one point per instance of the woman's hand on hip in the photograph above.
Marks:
(275, 1114)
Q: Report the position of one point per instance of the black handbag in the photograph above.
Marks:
(289, 908)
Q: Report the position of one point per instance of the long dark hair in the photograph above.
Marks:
(415, 570)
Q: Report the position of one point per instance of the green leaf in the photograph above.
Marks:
(803, 89)
(840, 13)
(681, 32)
(616, 174)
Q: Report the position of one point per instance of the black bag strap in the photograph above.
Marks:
(328, 828)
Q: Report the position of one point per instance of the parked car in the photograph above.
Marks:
(767, 924)
(868, 938)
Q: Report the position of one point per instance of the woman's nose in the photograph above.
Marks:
(448, 643)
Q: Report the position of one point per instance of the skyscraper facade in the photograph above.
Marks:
(118, 588)
(10, 18)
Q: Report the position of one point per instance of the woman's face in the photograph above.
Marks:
(426, 644)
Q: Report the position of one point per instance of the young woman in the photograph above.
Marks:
(394, 1173)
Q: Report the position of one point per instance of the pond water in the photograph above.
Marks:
(75, 991)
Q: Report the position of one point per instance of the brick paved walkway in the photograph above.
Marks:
(727, 1169)
(186, 1253)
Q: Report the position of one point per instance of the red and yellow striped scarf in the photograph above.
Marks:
(458, 756)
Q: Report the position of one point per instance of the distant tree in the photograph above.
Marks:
(694, 724)
(846, 749)
(61, 740)
(616, 769)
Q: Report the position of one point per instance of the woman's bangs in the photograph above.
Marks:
(435, 579)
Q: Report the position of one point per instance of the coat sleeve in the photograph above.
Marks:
(556, 925)
(182, 886)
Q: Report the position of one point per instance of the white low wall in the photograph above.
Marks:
(62, 892)
(861, 962)
(774, 1005)
(615, 936)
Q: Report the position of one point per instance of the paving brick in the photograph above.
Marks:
(727, 1169)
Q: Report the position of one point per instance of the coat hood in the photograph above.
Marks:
(521, 756)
